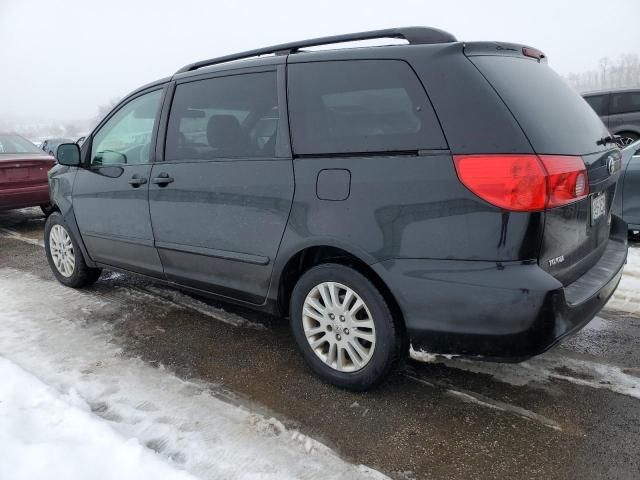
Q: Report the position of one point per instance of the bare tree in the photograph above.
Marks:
(621, 73)
(103, 110)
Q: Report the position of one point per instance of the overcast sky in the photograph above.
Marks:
(60, 59)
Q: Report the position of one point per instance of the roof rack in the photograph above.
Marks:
(414, 35)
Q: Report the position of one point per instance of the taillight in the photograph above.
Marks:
(567, 179)
(524, 183)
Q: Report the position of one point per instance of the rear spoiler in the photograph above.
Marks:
(472, 49)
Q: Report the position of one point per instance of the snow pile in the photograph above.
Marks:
(627, 296)
(64, 337)
(45, 434)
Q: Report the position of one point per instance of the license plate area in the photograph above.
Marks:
(598, 207)
(17, 173)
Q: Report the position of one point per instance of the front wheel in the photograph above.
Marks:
(64, 255)
(344, 327)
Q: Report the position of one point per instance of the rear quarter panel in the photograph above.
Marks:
(405, 207)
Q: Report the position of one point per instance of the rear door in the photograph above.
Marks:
(557, 121)
(625, 112)
(631, 190)
(111, 194)
(221, 198)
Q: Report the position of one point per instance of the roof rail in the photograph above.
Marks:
(414, 35)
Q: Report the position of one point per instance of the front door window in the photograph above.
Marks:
(126, 137)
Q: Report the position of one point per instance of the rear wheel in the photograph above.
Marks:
(64, 255)
(344, 327)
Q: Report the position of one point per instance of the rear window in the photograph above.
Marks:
(360, 106)
(555, 118)
(598, 103)
(625, 102)
(17, 144)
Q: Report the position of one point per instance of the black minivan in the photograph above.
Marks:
(451, 196)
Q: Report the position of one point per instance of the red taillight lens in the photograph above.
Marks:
(512, 182)
(567, 179)
(523, 183)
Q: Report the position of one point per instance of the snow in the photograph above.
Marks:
(627, 296)
(63, 337)
(45, 434)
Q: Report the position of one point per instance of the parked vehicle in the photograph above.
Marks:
(51, 145)
(23, 174)
(455, 196)
(627, 199)
(620, 112)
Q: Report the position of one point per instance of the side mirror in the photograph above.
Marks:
(68, 154)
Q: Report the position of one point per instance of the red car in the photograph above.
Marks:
(23, 174)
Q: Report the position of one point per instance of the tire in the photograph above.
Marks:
(47, 209)
(75, 274)
(373, 320)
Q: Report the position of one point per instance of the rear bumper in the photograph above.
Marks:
(31, 196)
(504, 311)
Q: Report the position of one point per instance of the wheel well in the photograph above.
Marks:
(312, 256)
(623, 132)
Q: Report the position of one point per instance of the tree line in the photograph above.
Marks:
(623, 72)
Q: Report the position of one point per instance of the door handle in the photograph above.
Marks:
(137, 180)
(162, 180)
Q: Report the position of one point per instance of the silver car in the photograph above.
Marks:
(627, 200)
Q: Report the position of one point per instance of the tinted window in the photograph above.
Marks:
(625, 102)
(17, 144)
(126, 137)
(598, 103)
(360, 106)
(225, 117)
(552, 114)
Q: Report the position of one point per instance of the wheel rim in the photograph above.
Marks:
(339, 327)
(61, 248)
(625, 141)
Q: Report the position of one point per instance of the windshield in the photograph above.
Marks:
(17, 144)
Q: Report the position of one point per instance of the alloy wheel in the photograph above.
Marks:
(624, 141)
(339, 327)
(61, 248)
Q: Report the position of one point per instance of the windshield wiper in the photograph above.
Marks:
(610, 139)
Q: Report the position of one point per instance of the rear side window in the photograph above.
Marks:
(360, 106)
(555, 118)
(625, 102)
(224, 117)
(17, 144)
(599, 103)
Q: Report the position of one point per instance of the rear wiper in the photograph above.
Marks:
(610, 139)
